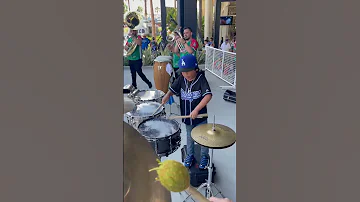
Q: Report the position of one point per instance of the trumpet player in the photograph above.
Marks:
(175, 56)
(135, 59)
(190, 44)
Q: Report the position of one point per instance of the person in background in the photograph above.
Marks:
(154, 48)
(206, 42)
(153, 44)
(190, 44)
(135, 59)
(176, 56)
(145, 42)
(222, 40)
(233, 45)
(211, 42)
(226, 46)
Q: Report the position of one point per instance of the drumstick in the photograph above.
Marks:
(183, 117)
(157, 109)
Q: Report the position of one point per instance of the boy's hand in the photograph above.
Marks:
(194, 114)
(165, 99)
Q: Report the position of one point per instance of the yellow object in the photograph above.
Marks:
(172, 175)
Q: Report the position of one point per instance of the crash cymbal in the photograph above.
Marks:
(129, 104)
(221, 137)
(139, 158)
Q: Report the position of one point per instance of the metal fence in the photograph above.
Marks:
(222, 64)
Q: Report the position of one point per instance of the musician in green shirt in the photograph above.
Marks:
(135, 59)
(176, 56)
(190, 44)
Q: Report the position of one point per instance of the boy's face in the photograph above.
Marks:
(189, 75)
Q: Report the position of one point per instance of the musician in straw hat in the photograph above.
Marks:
(135, 59)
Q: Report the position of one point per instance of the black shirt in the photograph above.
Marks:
(191, 93)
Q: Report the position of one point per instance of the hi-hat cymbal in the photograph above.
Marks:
(129, 104)
(139, 158)
(221, 137)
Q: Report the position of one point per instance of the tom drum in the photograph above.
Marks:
(163, 135)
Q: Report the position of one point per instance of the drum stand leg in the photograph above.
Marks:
(170, 113)
(209, 184)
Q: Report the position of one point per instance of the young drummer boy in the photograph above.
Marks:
(194, 91)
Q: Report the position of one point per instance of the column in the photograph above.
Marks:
(187, 15)
(208, 18)
(224, 30)
(217, 23)
(163, 22)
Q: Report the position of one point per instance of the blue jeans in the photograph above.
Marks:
(190, 141)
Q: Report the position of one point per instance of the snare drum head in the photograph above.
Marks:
(146, 109)
(158, 128)
(150, 95)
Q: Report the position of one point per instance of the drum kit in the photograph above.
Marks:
(150, 135)
(148, 117)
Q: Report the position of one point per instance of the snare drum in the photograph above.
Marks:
(163, 135)
(143, 112)
(161, 76)
(144, 96)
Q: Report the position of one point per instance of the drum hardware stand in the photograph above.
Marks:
(209, 184)
(170, 106)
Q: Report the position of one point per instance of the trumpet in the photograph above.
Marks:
(171, 38)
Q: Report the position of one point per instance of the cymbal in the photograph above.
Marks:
(139, 158)
(221, 137)
(129, 104)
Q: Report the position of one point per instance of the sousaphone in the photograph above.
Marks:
(132, 20)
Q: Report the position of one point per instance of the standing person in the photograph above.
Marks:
(226, 45)
(190, 44)
(222, 40)
(145, 42)
(206, 43)
(211, 42)
(194, 91)
(135, 59)
(153, 44)
(176, 56)
(234, 41)
(154, 47)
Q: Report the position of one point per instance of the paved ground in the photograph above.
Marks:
(225, 113)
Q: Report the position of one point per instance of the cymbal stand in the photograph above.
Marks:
(209, 184)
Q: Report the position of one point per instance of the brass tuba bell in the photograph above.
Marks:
(132, 20)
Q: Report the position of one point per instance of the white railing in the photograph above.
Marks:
(222, 64)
